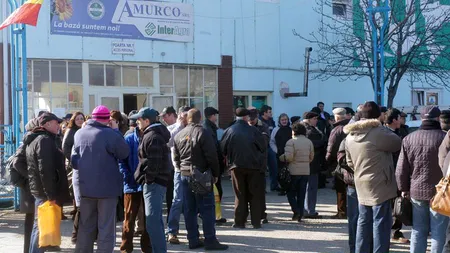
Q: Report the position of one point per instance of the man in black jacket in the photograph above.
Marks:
(154, 172)
(46, 169)
(210, 125)
(320, 144)
(336, 137)
(264, 130)
(243, 145)
(195, 149)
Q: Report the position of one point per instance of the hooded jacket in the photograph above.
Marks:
(46, 167)
(154, 165)
(95, 156)
(369, 148)
(128, 166)
(418, 168)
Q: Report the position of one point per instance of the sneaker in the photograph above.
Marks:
(216, 246)
(265, 221)
(296, 216)
(238, 226)
(173, 239)
(199, 244)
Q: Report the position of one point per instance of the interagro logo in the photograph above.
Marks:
(150, 29)
(96, 9)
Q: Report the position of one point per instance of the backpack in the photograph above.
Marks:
(16, 168)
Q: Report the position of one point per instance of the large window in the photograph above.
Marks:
(55, 86)
(116, 75)
(194, 86)
(254, 99)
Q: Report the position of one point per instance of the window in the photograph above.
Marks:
(240, 101)
(247, 99)
(113, 75)
(96, 74)
(59, 73)
(145, 76)
(130, 76)
(75, 73)
(196, 81)
(181, 81)
(340, 9)
(425, 97)
(341, 105)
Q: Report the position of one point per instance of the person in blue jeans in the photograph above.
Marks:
(267, 118)
(154, 173)
(195, 149)
(173, 220)
(298, 153)
(369, 147)
(46, 170)
(417, 173)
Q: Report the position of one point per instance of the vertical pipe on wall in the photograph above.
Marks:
(5, 68)
(24, 78)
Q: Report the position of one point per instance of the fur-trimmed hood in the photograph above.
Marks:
(362, 126)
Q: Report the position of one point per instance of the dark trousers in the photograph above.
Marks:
(194, 204)
(169, 195)
(397, 224)
(132, 203)
(28, 229)
(264, 206)
(76, 223)
(296, 195)
(341, 194)
(247, 188)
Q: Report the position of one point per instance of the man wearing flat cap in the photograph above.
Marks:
(46, 169)
(210, 125)
(337, 135)
(244, 148)
(417, 174)
(319, 140)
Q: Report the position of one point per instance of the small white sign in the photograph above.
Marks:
(122, 47)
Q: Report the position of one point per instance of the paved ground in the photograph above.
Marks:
(280, 235)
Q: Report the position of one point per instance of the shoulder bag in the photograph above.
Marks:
(201, 183)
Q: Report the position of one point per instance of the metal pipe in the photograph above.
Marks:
(306, 74)
(24, 78)
(5, 68)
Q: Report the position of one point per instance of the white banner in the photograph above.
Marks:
(157, 20)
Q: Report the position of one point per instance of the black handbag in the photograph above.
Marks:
(403, 210)
(201, 183)
(284, 178)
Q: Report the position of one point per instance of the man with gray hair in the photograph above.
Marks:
(337, 135)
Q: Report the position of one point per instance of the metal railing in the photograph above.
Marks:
(9, 196)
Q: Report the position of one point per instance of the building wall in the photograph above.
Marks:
(257, 35)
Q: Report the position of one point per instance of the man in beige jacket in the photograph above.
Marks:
(369, 148)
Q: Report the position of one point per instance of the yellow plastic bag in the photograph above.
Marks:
(218, 206)
(49, 222)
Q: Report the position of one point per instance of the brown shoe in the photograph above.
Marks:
(173, 239)
(401, 240)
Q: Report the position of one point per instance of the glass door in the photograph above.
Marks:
(160, 102)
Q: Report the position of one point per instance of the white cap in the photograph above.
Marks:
(339, 111)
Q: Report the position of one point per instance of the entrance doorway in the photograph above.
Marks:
(133, 102)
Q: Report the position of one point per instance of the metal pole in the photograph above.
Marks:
(24, 78)
(378, 47)
(5, 68)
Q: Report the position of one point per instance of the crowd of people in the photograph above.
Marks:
(115, 167)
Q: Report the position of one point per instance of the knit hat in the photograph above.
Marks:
(101, 114)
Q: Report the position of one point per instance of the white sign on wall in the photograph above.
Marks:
(121, 47)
